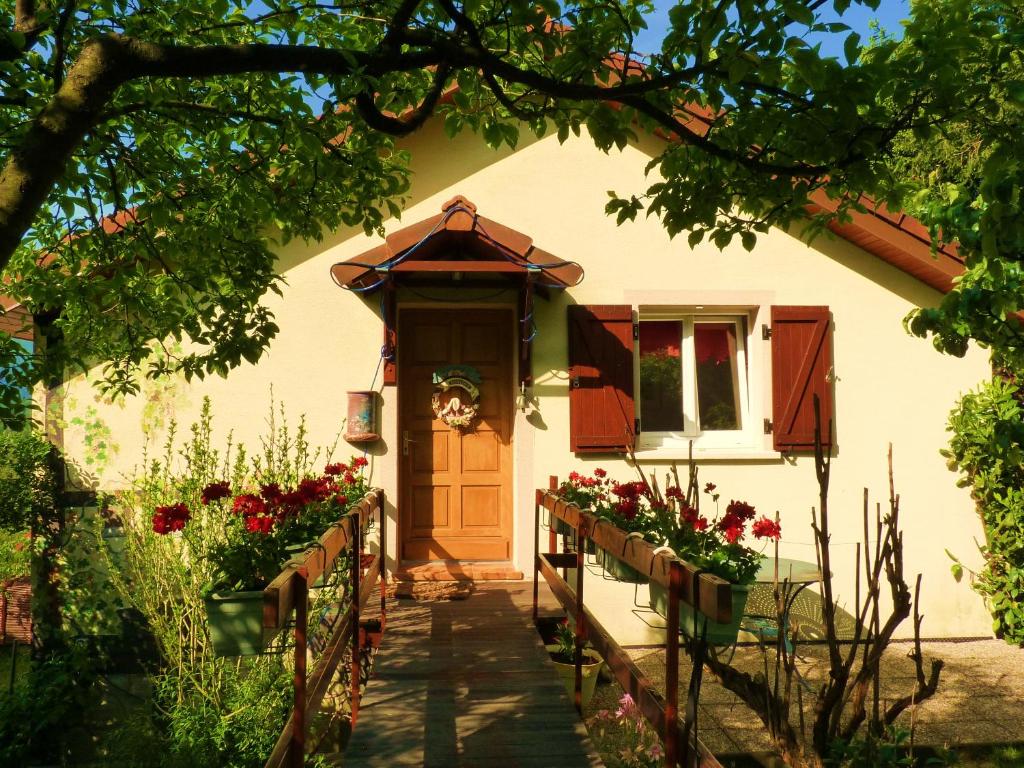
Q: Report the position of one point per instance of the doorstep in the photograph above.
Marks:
(458, 570)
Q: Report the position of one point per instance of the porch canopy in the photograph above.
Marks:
(456, 249)
(455, 245)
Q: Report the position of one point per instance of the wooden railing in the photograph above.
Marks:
(684, 581)
(289, 593)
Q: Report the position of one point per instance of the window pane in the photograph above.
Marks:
(661, 376)
(718, 388)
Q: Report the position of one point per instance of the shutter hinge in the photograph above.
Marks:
(766, 332)
(768, 426)
(636, 331)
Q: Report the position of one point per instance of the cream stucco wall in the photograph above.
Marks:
(889, 387)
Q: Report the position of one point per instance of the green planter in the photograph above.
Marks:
(561, 527)
(618, 570)
(592, 663)
(236, 623)
(718, 634)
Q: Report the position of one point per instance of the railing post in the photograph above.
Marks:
(383, 558)
(675, 582)
(357, 540)
(552, 536)
(581, 624)
(538, 500)
(298, 746)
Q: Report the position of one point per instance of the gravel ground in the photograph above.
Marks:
(979, 704)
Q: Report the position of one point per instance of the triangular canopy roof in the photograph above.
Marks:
(457, 240)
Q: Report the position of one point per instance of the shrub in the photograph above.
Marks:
(987, 447)
(26, 480)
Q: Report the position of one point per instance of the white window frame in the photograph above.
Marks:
(750, 434)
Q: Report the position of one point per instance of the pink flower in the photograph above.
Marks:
(215, 491)
(767, 529)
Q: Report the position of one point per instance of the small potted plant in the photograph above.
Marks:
(563, 654)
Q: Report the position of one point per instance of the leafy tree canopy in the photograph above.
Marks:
(212, 129)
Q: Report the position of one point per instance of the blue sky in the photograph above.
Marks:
(858, 17)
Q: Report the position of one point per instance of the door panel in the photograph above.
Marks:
(456, 489)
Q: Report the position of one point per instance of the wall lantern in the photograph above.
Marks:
(361, 424)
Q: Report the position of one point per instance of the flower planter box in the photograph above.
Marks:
(592, 663)
(561, 527)
(717, 634)
(236, 623)
(618, 570)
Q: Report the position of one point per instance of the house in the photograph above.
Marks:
(583, 338)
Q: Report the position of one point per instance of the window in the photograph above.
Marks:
(693, 380)
(663, 377)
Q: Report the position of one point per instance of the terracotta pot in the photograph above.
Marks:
(717, 634)
(567, 672)
(361, 421)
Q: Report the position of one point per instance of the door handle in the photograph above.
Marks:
(405, 442)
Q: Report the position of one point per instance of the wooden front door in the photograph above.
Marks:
(456, 484)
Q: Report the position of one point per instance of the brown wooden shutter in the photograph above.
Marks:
(601, 411)
(801, 341)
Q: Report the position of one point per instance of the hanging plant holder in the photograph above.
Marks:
(717, 633)
(361, 421)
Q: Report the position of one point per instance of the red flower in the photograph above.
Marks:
(741, 509)
(170, 518)
(600, 473)
(731, 525)
(767, 529)
(341, 499)
(674, 492)
(733, 533)
(249, 505)
(315, 490)
(335, 469)
(259, 524)
(630, 490)
(359, 462)
(271, 493)
(215, 491)
(627, 508)
(690, 516)
(709, 488)
(349, 478)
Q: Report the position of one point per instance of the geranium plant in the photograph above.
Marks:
(260, 527)
(673, 518)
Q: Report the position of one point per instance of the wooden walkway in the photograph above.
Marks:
(467, 683)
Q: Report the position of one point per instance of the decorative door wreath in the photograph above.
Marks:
(460, 409)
